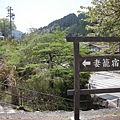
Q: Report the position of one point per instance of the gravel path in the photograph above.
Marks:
(103, 114)
(8, 113)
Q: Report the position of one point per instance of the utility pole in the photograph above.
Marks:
(12, 16)
(4, 33)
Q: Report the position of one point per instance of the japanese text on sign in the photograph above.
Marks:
(106, 63)
(100, 63)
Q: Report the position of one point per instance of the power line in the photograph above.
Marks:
(33, 91)
(37, 93)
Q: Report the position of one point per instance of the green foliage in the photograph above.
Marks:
(84, 79)
(44, 63)
(5, 26)
(79, 28)
(3, 45)
(107, 15)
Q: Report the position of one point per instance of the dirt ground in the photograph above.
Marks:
(112, 114)
(8, 113)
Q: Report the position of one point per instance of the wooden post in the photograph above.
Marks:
(78, 67)
(76, 81)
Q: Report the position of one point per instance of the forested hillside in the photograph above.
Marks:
(40, 66)
(40, 70)
(74, 24)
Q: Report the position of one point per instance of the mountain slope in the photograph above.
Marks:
(74, 24)
(17, 34)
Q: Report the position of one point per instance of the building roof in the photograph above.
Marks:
(108, 97)
(99, 46)
(100, 80)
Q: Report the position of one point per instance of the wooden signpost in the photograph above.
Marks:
(91, 63)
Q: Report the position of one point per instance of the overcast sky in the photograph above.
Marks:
(39, 13)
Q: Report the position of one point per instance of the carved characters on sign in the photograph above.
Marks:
(97, 63)
(100, 63)
(115, 63)
(106, 62)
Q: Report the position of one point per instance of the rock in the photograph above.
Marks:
(1, 109)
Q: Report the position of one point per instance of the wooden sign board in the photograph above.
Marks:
(93, 39)
(100, 63)
(91, 63)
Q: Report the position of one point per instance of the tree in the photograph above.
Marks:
(52, 57)
(5, 26)
(44, 63)
(49, 50)
(107, 15)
